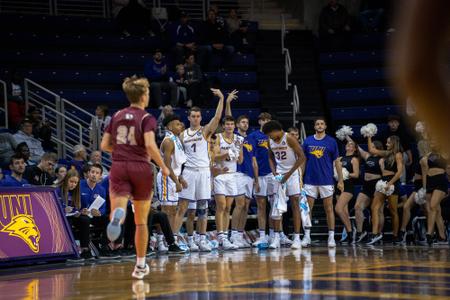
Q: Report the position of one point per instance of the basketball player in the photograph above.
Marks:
(228, 155)
(197, 171)
(130, 137)
(286, 156)
(247, 177)
(265, 176)
(173, 153)
(321, 152)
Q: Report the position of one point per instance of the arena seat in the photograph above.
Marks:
(369, 113)
(353, 75)
(351, 57)
(336, 96)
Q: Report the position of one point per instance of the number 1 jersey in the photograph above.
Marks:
(195, 148)
(127, 130)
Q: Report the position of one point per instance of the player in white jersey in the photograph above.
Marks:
(174, 157)
(229, 153)
(197, 172)
(285, 157)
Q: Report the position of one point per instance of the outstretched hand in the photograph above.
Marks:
(232, 96)
(217, 93)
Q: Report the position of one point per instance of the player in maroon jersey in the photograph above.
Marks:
(130, 137)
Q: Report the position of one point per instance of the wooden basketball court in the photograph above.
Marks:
(342, 273)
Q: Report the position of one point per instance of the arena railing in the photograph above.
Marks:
(71, 124)
(4, 107)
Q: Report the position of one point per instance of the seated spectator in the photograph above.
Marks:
(41, 129)
(156, 71)
(17, 167)
(242, 40)
(23, 150)
(193, 81)
(179, 79)
(25, 134)
(96, 158)
(60, 172)
(7, 148)
(161, 131)
(16, 103)
(214, 40)
(41, 174)
(334, 23)
(90, 188)
(98, 125)
(79, 158)
(219, 18)
(184, 39)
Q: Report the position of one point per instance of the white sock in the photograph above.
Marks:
(160, 237)
(331, 233)
(234, 232)
(262, 233)
(277, 235)
(202, 237)
(175, 237)
(296, 236)
(190, 238)
(140, 262)
(271, 232)
(241, 234)
(307, 232)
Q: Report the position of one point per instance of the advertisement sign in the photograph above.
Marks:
(33, 226)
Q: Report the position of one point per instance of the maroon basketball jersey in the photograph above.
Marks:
(127, 130)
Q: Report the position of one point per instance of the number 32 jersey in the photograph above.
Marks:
(285, 157)
(127, 129)
(195, 148)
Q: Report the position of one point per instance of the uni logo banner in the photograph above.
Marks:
(32, 225)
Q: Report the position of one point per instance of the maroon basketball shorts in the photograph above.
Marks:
(134, 179)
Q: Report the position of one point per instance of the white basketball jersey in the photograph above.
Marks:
(178, 155)
(226, 147)
(285, 157)
(196, 149)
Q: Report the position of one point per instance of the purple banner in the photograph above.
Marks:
(32, 225)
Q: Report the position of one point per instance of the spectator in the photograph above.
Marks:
(16, 104)
(41, 130)
(184, 38)
(98, 125)
(219, 19)
(193, 81)
(166, 111)
(96, 158)
(293, 131)
(156, 71)
(180, 80)
(79, 158)
(233, 21)
(334, 23)
(41, 174)
(23, 150)
(90, 189)
(25, 134)
(17, 167)
(398, 129)
(60, 172)
(214, 40)
(7, 148)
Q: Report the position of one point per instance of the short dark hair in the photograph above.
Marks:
(26, 121)
(293, 129)
(170, 118)
(272, 126)
(227, 119)
(98, 166)
(22, 145)
(194, 108)
(394, 118)
(320, 118)
(49, 156)
(104, 108)
(241, 117)
(16, 156)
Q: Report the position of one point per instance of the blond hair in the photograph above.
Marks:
(135, 87)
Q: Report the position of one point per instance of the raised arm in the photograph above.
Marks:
(211, 127)
(231, 96)
(364, 154)
(373, 150)
(293, 143)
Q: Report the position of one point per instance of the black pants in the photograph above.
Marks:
(154, 217)
(82, 228)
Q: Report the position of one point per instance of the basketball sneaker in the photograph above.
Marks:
(227, 245)
(284, 240)
(204, 246)
(162, 248)
(331, 242)
(113, 230)
(275, 244)
(306, 242)
(296, 244)
(140, 272)
(260, 240)
(193, 246)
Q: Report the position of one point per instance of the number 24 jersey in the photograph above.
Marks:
(127, 129)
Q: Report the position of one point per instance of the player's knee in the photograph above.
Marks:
(202, 213)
